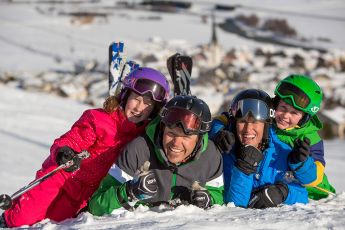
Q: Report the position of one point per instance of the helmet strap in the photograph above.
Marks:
(264, 142)
(197, 149)
(306, 117)
(124, 97)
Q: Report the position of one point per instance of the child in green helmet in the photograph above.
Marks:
(298, 99)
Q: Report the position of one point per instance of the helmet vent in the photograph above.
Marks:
(190, 104)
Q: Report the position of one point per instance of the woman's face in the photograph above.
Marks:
(138, 108)
(286, 116)
(250, 131)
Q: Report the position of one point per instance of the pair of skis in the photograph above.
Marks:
(179, 67)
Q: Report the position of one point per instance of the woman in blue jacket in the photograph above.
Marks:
(256, 170)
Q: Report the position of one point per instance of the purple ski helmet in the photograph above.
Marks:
(143, 80)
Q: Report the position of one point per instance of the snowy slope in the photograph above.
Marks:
(30, 122)
(34, 38)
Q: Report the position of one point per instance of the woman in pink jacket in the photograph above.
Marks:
(103, 133)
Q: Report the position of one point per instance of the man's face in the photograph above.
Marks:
(286, 116)
(177, 145)
(250, 131)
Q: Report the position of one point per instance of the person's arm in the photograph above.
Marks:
(112, 193)
(240, 189)
(218, 123)
(297, 194)
(305, 172)
(106, 198)
(306, 162)
(273, 195)
(247, 160)
(317, 153)
(237, 185)
(80, 137)
(215, 185)
(123, 183)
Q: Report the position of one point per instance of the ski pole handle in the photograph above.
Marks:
(6, 200)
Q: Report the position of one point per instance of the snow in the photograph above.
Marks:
(34, 38)
(337, 114)
(31, 121)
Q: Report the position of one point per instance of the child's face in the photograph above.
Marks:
(287, 116)
(138, 108)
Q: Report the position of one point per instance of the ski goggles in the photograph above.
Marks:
(190, 122)
(299, 98)
(142, 86)
(255, 108)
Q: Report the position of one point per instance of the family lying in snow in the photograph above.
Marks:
(146, 149)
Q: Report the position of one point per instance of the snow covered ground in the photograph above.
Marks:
(29, 122)
(34, 38)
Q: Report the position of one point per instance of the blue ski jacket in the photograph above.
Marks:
(273, 168)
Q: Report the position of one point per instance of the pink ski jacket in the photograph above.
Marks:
(64, 194)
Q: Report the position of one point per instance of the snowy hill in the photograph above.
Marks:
(39, 37)
(30, 122)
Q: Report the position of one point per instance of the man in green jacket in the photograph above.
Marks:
(173, 163)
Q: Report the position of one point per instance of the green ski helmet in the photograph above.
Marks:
(301, 92)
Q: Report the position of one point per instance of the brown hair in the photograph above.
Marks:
(111, 104)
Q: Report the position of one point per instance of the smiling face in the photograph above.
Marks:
(177, 145)
(286, 116)
(250, 131)
(138, 108)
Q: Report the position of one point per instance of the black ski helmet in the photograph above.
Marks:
(254, 102)
(257, 104)
(192, 113)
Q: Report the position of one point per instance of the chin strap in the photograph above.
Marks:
(304, 120)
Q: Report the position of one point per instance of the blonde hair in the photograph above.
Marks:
(111, 104)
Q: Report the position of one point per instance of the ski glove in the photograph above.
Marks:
(200, 198)
(66, 154)
(224, 140)
(301, 151)
(269, 196)
(142, 187)
(248, 159)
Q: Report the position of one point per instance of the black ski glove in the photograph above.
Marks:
(143, 187)
(224, 140)
(301, 151)
(248, 159)
(66, 154)
(269, 196)
(200, 198)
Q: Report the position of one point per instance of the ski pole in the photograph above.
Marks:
(6, 200)
(325, 190)
(290, 177)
